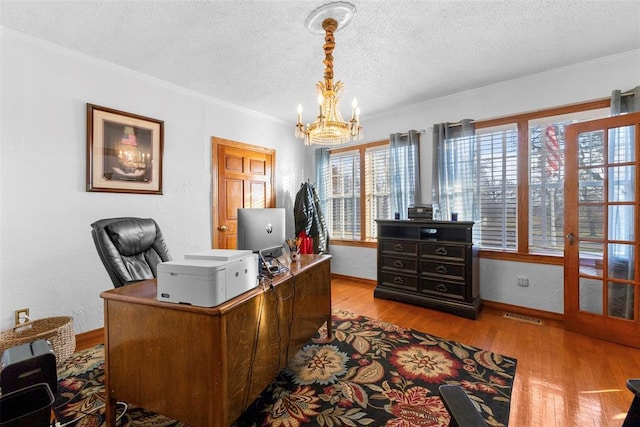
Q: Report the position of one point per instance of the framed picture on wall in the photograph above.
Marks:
(124, 152)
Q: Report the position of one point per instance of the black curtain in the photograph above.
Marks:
(309, 218)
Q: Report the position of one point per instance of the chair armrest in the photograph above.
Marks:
(633, 384)
(460, 407)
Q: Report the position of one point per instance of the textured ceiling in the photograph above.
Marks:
(259, 55)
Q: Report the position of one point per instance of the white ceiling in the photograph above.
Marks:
(259, 55)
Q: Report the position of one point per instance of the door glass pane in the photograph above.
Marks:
(621, 144)
(621, 222)
(621, 261)
(622, 184)
(590, 295)
(591, 184)
(620, 300)
(591, 258)
(591, 148)
(591, 222)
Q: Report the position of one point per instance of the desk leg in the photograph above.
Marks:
(110, 411)
(329, 336)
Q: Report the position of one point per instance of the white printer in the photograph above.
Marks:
(207, 278)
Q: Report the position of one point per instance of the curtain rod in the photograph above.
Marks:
(407, 133)
(628, 93)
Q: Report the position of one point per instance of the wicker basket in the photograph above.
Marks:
(58, 330)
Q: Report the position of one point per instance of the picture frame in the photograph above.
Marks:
(124, 152)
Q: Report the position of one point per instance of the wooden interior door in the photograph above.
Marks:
(602, 228)
(242, 178)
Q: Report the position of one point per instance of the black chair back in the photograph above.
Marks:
(130, 248)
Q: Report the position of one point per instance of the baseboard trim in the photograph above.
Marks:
(531, 312)
(354, 279)
(89, 338)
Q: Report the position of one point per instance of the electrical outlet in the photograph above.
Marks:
(523, 281)
(21, 316)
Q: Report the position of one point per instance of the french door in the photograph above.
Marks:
(602, 217)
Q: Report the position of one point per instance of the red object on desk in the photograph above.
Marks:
(306, 245)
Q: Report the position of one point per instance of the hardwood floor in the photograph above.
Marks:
(562, 378)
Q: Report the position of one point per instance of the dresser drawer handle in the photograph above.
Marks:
(399, 247)
(441, 287)
(441, 269)
(398, 263)
(398, 280)
(441, 251)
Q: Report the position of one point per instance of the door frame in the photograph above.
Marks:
(215, 143)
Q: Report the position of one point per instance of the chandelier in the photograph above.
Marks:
(329, 128)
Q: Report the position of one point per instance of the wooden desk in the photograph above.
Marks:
(204, 366)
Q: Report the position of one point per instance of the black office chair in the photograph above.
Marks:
(130, 248)
(633, 415)
(460, 407)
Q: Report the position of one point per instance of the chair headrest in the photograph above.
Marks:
(132, 236)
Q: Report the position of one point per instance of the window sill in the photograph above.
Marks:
(522, 257)
(358, 243)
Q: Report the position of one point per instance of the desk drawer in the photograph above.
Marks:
(403, 247)
(399, 265)
(453, 252)
(443, 288)
(400, 281)
(449, 269)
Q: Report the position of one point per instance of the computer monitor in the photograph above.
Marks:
(262, 231)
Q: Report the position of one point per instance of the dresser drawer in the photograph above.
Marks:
(403, 247)
(450, 269)
(454, 252)
(443, 288)
(400, 281)
(400, 265)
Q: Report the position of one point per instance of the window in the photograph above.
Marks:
(354, 207)
(509, 179)
(498, 187)
(344, 196)
(377, 194)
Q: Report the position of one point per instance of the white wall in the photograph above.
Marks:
(48, 261)
(577, 83)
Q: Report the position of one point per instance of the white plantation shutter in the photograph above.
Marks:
(498, 187)
(357, 190)
(344, 196)
(377, 188)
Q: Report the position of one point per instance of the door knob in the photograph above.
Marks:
(570, 237)
(222, 228)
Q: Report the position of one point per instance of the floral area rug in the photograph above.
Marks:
(375, 373)
(371, 373)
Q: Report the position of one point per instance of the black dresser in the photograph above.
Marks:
(429, 263)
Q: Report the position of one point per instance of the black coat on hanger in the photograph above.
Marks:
(308, 217)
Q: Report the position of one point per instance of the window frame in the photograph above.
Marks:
(521, 121)
(361, 148)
